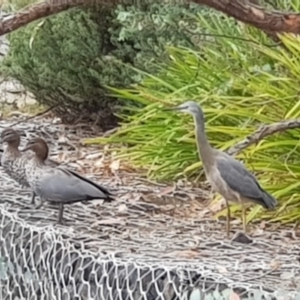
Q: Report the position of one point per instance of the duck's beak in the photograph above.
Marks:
(25, 149)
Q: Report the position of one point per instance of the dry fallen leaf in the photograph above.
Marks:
(182, 254)
(222, 269)
(135, 197)
(258, 232)
(94, 155)
(62, 139)
(114, 166)
(166, 191)
(275, 265)
(61, 156)
(287, 275)
(99, 162)
(123, 208)
(236, 222)
(202, 213)
(262, 225)
(56, 120)
(218, 206)
(81, 163)
(234, 296)
(110, 222)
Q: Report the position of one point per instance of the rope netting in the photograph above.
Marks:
(145, 245)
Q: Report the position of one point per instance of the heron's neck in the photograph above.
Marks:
(205, 151)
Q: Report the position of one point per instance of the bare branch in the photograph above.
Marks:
(40, 10)
(263, 132)
(244, 11)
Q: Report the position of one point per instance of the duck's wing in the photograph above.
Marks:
(62, 185)
(75, 174)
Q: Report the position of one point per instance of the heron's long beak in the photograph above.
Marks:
(173, 108)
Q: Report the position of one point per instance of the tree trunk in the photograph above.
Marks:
(242, 10)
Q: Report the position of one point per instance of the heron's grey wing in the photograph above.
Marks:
(61, 186)
(240, 180)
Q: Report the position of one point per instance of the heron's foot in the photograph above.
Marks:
(241, 237)
(33, 198)
(40, 204)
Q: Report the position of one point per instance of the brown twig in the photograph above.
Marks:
(35, 116)
(263, 132)
(44, 9)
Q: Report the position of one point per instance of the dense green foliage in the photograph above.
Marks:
(241, 84)
(65, 60)
(14, 5)
(68, 59)
(143, 30)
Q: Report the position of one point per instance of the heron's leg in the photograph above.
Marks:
(60, 214)
(228, 219)
(244, 218)
(32, 198)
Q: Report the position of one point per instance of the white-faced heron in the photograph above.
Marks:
(13, 161)
(227, 176)
(57, 184)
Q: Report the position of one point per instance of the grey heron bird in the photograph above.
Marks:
(227, 176)
(57, 184)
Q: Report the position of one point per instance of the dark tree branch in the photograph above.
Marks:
(33, 13)
(263, 132)
(40, 10)
(246, 12)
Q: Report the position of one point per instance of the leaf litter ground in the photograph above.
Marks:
(153, 223)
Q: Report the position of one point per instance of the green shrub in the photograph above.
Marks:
(64, 60)
(240, 86)
(146, 28)
(68, 59)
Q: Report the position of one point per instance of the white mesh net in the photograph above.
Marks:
(145, 245)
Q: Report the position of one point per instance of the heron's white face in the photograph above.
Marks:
(189, 107)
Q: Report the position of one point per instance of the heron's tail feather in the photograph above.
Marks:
(268, 200)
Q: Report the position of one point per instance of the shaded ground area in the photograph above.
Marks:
(153, 225)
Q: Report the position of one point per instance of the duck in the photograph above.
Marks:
(58, 184)
(13, 161)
